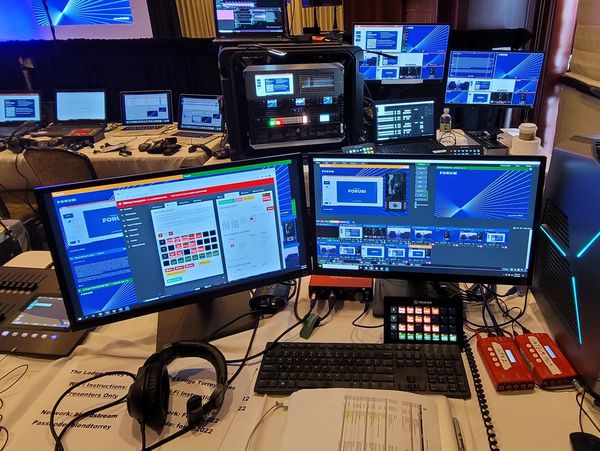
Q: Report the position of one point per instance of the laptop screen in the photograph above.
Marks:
(81, 106)
(200, 113)
(146, 107)
(250, 16)
(403, 121)
(19, 107)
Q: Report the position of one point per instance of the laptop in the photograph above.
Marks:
(250, 21)
(144, 113)
(75, 110)
(200, 118)
(405, 126)
(19, 112)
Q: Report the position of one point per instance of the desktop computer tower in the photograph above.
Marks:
(567, 266)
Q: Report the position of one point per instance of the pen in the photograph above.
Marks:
(459, 437)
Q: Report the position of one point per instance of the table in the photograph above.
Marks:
(15, 173)
(523, 421)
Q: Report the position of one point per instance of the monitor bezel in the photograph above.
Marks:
(421, 276)
(430, 137)
(487, 105)
(169, 120)
(82, 121)
(429, 80)
(22, 93)
(217, 97)
(248, 34)
(65, 277)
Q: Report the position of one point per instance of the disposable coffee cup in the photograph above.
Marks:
(527, 131)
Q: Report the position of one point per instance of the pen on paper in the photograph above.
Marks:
(459, 437)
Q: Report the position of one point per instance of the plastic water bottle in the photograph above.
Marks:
(446, 121)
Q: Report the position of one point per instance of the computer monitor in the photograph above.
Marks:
(16, 107)
(403, 120)
(199, 112)
(250, 16)
(80, 106)
(146, 107)
(128, 246)
(494, 78)
(317, 3)
(471, 219)
(414, 51)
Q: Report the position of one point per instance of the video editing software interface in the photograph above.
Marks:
(81, 105)
(461, 217)
(250, 16)
(200, 113)
(416, 51)
(19, 107)
(396, 121)
(146, 107)
(493, 78)
(128, 244)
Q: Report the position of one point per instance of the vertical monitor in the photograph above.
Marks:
(410, 51)
(438, 218)
(128, 246)
(80, 106)
(495, 78)
(146, 107)
(19, 107)
(235, 17)
(197, 112)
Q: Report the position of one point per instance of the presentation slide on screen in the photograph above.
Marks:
(19, 108)
(274, 85)
(84, 224)
(143, 107)
(343, 191)
(91, 19)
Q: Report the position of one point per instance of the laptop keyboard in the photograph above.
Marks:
(418, 368)
(133, 128)
(194, 134)
(414, 147)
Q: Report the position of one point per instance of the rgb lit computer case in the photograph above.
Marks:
(567, 266)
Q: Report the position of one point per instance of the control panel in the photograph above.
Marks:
(292, 105)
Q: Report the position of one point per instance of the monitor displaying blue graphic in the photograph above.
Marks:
(83, 12)
(127, 246)
(19, 107)
(469, 219)
(496, 78)
(411, 51)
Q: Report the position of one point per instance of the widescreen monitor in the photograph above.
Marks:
(495, 78)
(18, 107)
(470, 219)
(127, 246)
(80, 106)
(146, 107)
(410, 51)
(250, 16)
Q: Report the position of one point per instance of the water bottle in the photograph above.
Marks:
(446, 121)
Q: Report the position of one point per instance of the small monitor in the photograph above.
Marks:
(410, 120)
(234, 17)
(317, 3)
(472, 219)
(197, 112)
(80, 106)
(146, 107)
(16, 107)
(411, 51)
(128, 246)
(494, 78)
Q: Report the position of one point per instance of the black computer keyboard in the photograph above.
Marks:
(419, 368)
(193, 134)
(411, 148)
(130, 128)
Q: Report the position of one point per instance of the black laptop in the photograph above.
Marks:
(405, 126)
(250, 21)
(19, 112)
(77, 110)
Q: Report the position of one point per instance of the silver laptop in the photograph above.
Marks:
(144, 113)
(200, 118)
(19, 112)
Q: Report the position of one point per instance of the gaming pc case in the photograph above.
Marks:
(567, 266)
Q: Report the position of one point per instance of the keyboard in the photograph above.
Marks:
(194, 134)
(418, 368)
(131, 128)
(425, 147)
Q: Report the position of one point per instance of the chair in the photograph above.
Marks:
(54, 166)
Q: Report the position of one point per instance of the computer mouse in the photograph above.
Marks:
(582, 441)
(195, 147)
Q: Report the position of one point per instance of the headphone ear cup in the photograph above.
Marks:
(148, 398)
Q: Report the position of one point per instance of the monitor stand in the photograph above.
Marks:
(198, 321)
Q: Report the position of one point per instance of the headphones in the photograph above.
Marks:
(148, 397)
